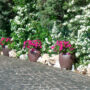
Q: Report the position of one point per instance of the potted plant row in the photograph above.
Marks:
(4, 43)
(34, 47)
(66, 53)
(64, 48)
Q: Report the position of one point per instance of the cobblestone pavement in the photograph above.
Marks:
(16, 74)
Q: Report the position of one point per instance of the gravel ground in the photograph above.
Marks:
(16, 74)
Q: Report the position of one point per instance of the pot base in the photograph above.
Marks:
(66, 61)
(33, 55)
(5, 51)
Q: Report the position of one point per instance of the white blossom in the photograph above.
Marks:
(77, 54)
(17, 20)
(78, 16)
(54, 29)
(46, 39)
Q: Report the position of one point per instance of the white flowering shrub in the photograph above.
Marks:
(25, 26)
(21, 26)
(72, 24)
(79, 25)
(5, 15)
(55, 33)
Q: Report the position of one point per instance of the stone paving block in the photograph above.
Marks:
(16, 74)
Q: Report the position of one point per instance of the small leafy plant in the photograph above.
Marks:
(5, 41)
(32, 44)
(63, 47)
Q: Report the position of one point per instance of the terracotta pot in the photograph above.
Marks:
(33, 55)
(5, 51)
(0, 52)
(66, 61)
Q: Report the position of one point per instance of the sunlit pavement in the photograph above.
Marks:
(16, 74)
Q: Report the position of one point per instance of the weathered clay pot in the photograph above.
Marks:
(66, 61)
(5, 51)
(0, 52)
(33, 55)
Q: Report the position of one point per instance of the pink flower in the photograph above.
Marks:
(28, 46)
(61, 47)
(2, 38)
(69, 45)
(1, 43)
(5, 41)
(40, 46)
(59, 42)
(52, 47)
(71, 49)
(23, 46)
(8, 39)
(32, 49)
(32, 43)
(36, 45)
(65, 43)
(24, 42)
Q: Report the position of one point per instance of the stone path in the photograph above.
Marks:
(24, 75)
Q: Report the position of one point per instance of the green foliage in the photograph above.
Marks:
(5, 15)
(49, 21)
(50, 11)
(19, 2)
(31, 4)
(25, 26)
(77, 19)
(12, 45)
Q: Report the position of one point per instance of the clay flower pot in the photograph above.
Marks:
(66, 61)
(0, 52)
(5, 51)
(33, 54)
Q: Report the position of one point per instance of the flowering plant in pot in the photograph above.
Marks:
(34, 47)
(4, 42)
(66, 53)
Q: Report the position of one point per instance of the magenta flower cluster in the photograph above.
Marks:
(32, 44)
(5, 41)
(63, 46)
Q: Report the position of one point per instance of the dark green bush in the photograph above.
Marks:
(49, 11)
(5, 16)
